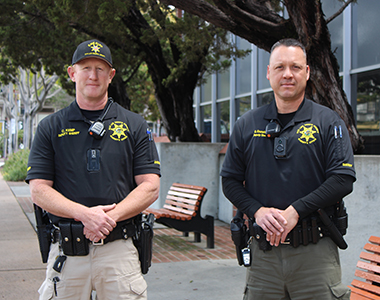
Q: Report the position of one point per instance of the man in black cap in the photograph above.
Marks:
(93, 167)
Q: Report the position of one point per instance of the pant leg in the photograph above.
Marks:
(265, 280)
(315, 272)
(117, 272)
(74, 281)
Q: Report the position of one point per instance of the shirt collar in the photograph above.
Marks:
(303, 113)
(75, 113)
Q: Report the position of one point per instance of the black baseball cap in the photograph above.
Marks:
(92, 48)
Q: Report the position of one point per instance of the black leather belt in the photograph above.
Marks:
(306, 232)
(123, 230)
(74, 243)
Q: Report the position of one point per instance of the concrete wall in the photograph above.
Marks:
(191, 163)
(200, 164)
(363, 207)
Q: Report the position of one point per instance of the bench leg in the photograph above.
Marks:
(197, 237)
(210, 231)
(210, 241)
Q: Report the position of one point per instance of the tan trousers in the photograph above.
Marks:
(309, 272)
(112, 270)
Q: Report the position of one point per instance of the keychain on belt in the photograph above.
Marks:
(246, 252)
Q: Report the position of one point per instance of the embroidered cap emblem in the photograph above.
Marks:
(95, 46)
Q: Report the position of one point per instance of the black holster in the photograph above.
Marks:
(239, 235)
(44, 232)
(143, 240)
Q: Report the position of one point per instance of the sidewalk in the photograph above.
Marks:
(181, 269)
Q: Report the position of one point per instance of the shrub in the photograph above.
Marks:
(15, 166)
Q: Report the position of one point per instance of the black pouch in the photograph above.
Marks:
(144, 241)
(73, 241)
(260, 237)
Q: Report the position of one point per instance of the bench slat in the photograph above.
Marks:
(174, 215)
(188, 201)
(187, 190)
(368, 266)
(366, 286)
(370, 256)
(180, 210)
(358, 294)
(182, 205)
(374, 239)
(372, 248)
(187, 186)
(185, 195)
(367, 276)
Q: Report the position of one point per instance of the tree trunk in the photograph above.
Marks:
(174, 99)
(27, 136)
(324, 86)
(176, 107)
(118, 92)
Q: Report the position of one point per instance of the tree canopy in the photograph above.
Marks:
(176, 50)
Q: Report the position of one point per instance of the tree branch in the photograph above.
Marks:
(339, 11)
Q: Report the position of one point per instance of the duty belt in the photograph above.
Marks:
(74, 243)
(303, 234)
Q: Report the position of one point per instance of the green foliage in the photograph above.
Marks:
(2, 138)
(141, 89)
(175, 50)
(15, 167)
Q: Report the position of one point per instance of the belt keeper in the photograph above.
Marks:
(295, 237)
(314, 231)
(305, 236)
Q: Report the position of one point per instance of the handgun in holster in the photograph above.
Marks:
(143, 240)
(44, 231)
(239, 235)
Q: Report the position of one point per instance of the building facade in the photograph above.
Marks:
(226, 96)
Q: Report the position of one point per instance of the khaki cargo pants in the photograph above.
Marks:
(112, 270)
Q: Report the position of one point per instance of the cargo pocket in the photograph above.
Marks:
(340, 291)
(138, 286)
(46, 290)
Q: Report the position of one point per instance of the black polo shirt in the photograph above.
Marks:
(89, 171)
(317, 146)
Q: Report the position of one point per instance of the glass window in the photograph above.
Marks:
(243, 105)
(243, 69)
(266, 98)
(368, 23)
(223, 84)
(224, 111)
(262, 63)
(206, 90)
(206, 119)
(368, 99)
(330, 7)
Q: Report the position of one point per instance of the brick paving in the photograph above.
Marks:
(169, 245)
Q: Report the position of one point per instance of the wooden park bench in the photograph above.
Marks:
(369, 270)
(182, 211)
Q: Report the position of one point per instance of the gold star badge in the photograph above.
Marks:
(307, 132)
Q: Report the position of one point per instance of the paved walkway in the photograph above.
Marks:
(181, 269)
